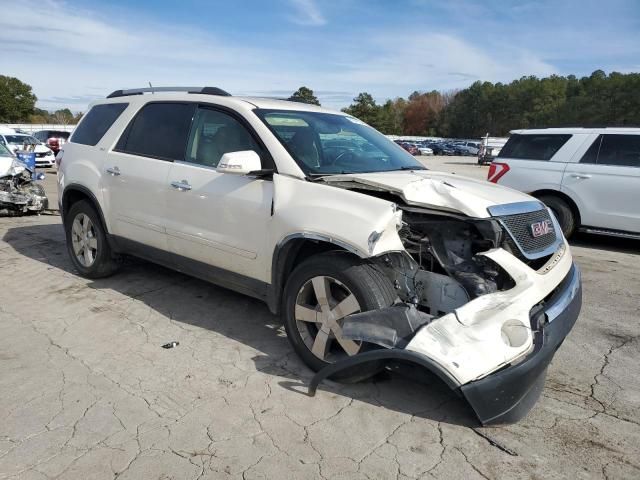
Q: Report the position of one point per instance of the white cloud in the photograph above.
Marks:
(71, 56)
(307, 13)
(401, 63)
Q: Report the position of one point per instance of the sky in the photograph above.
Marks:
(76, 51)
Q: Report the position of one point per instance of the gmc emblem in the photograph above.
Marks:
(540, 228)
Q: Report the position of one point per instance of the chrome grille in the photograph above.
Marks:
(519, 227)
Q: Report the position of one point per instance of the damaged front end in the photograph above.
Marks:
(480, 304)
(19, 194)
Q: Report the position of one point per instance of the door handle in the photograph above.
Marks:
(115, 171)
(580, 177)
(182, 185)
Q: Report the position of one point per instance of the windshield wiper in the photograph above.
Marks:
(413, 168)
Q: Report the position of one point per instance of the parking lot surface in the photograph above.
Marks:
(87, 391)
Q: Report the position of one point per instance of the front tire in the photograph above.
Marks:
(87, 242)
(320, 292)
(563, 213)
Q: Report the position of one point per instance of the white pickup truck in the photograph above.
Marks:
(589, 177)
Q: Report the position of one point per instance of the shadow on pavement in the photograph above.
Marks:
(603, 242)
(191, 301)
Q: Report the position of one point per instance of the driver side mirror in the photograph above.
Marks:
(239, 163)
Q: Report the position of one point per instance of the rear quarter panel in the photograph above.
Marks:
(84, 164)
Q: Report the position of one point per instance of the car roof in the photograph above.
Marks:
(572, 130)
(240, 102)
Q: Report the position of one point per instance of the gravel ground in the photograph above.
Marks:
(87, 392)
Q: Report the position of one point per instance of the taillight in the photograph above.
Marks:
(497, 171)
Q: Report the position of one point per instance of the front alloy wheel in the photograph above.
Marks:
(319, 294)
(321, 305)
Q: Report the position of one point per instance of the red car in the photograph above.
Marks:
(412, 149)
(54, 139)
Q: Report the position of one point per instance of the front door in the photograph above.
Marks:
(606, 183)
(219, 219)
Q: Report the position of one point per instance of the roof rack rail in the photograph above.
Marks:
(140, 91)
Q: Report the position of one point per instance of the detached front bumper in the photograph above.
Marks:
(507, 395)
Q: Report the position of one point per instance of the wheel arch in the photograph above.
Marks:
(563, 196)
(74, 193)
(291, 251)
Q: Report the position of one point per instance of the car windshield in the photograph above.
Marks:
(54, 134)
(325, 144)
(4, 152)
(20, 140)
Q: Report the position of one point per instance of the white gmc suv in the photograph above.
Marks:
(589, 177)
(368, 256)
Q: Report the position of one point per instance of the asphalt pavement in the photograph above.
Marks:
(88, 392)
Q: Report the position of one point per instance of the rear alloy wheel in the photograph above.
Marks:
(319, 294)
(83, 240)
(87, 242)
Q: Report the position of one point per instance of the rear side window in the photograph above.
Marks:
(96, 123)
(591, 155)
(620, 150)
(159, 130)
(533, 147)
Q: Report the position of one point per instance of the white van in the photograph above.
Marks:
(589, 177)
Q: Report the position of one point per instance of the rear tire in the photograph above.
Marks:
(563, 213)
(348, 282)
(87, 242)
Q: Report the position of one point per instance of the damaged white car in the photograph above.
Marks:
(18, 193)
(369, 257)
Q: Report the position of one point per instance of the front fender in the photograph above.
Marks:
(364, 225)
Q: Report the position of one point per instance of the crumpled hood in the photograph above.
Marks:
(439, 190)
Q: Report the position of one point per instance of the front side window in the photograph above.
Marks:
(620, 150)
(533, 147)
(215, 133)
(159, 130)
(325, 144)
(96, 122)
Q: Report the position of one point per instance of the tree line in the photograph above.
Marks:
(497, 108)
(483, 107)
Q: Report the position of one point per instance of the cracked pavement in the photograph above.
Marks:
(87, 392)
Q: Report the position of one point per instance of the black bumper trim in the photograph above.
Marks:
(507, 396)
(377, 355)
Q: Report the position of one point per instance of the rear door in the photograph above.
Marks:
(605, 184)
(536, 161)
(136, 172)
(219, 219)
